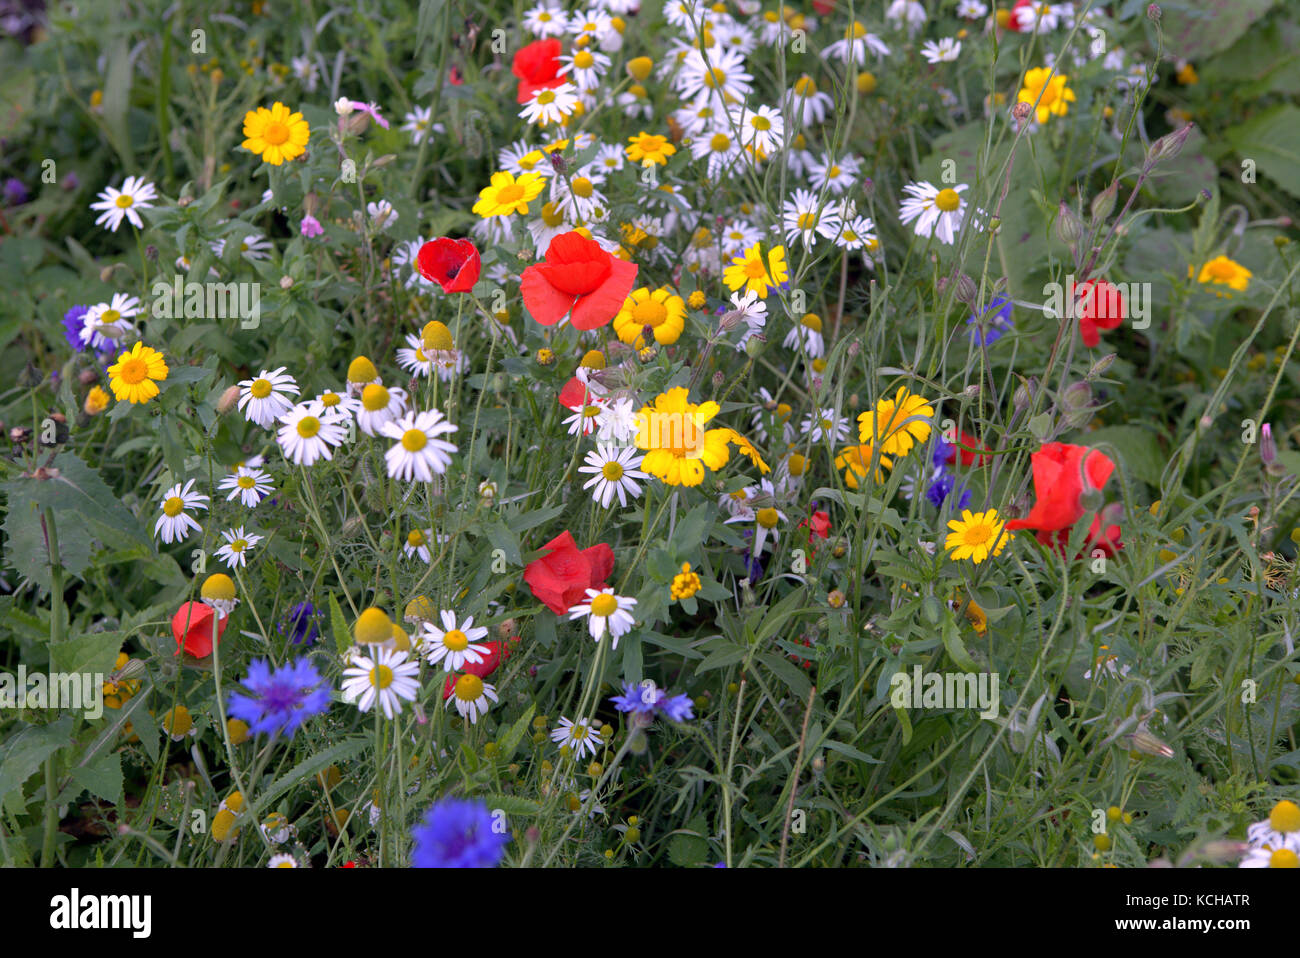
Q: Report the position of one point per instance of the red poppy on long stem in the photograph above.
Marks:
(451, 263)
(1100, 305)
(577, 278)
(1063, 473)
(192, 629)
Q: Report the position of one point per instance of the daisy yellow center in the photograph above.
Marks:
(275, 133)
(109, 316)
(261, 388)
(719, 142)
(1284, 858)
(329, 400)
(246, 482)
(551, 216)
(413, 440)
(857, 31)
(456, 640)
(415, 538)
(578, 732)
(649, 313)
(807, 221)
(612, 471)
(767, 518)
(308, 426)
(583, 60)
(805, 86)
(715, 78)
(761, 123)
(173, 506)
(582, 186)
(827, 424)
(1285, 817)
(604, 605)
(591, 412)
(133, 371)
(812, 321)
(123, 202)
(510, 194)
(947, 200)
(469, 688)
(546, 96)
(374, 397)
(381, 676)
(239, 545)
(833, 172)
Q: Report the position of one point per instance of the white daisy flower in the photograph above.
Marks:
(1280, 830)
(520, 158)
(807, 331)
(546, 20)
(761, 500)
(807, 104)
(266, 398)
(419, 452)
(945, 51)
(581, 737)
(720, 151)
(762, 130)
(238, 542)
(455, 646)
(578, 200)
(715, 82)
(283, 860)
(1038, 18)
(309, 432)
(125, 203)
(252, 246)
(584, 68)
(404, 255)
(175, 523)
(613, 471)
(908, 12)
(752, 311)
(972, 10)
(384, 676)
(417, 544)
(250, 485)
(342, 404)
(938, 212)
(829, 424)
(738, 236)
(769, 410)
(381, 214)
(853, 48)
(550, 104)
(412, 358)
(419, 123)
(805, 218)
(106, 324)
(306, 72)
(473, 697)
(733, 35)
(616, 422)
(605, 611)
(379, 405)
(585, 418)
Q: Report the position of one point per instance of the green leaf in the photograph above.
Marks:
(503, 538)
(956, 648)
(510, 804)
(93, 653)
(339, 626)
(1138, 450)
(102, 777)
(510, 741)
(685, 850)
(27, 751)
(1272, 139)
(1194, 29)
(304, 770)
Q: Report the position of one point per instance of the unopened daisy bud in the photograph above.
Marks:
(593, 359)
(228, 400)
(639, 68)
(618, 23)
(594, 769)
(836, 599)
(632, 834)
(1145, 743)
(218, 591)
(866, 82)
(372, 626)
(436, 336)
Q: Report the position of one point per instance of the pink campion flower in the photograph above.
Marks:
(371, 110)
(311, 227)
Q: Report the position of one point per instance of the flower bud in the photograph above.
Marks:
(1069, 226)
(1168, 146)
(1146, 743)
(1100, 366)
(1153, 13)
(228, 400)
(1103, 204)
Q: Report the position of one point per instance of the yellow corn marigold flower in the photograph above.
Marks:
(545, 357)
(660, 309)
(856, 460)
(96, 401)
(136, 374)
(505, 195)
(696, 300)
(1186, 74)
(276, 134)
(679, 446)
(649, 149)
(888, 423)
(750, 271)
(976, 536)
(1047, 93)
(685, 584)
(1222, 271)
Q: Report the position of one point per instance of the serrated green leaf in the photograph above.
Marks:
(339, 626)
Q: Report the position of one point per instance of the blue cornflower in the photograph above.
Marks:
(993, 322)
(282, 700)
(458, 833)
(15, 192)
(72, 322)
(941, 485)
(301, 623)
(651, 700)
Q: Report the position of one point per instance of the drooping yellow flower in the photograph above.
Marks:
(661, 310)
(1222, 271)
(685, 584)
(135, 375)
(856, 461)
(505, 195)
(276, 134)
(649, 149)
(888, 424)
(750, 271)
(96, 401)
(1047, 93)
(976, 536)
(679, 446)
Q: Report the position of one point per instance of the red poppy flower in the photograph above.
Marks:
(561, 579)
(968, 448)
(192, 628)
(537, 66)
(1062, 474)
(498, 652)
(577, 275)
(1014, 22)
(1099, 305)
(452, 264)
(1103, 535)
(454, 77)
